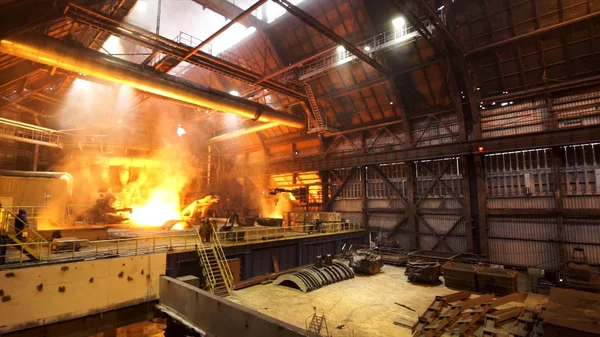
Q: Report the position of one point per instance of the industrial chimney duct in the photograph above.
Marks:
(46, 50)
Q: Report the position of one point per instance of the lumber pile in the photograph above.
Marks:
(485, 316)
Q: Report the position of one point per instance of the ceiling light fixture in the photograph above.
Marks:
(234, 93)
(399, 23)
(180, 130)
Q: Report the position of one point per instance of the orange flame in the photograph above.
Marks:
(161, 206)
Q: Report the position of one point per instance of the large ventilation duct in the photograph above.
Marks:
(53, 52)
(238, 133)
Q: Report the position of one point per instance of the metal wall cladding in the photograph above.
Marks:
(577, 109)
(507, 118)
(441, 224)
(522, 203)
(262, 259)
(582, 202)
(582, 230)
(531, 228)
(352, 217)
(440, 203)
(348, 205)
(458, 244)
(279, 157)
(385, 203)
(592, 252)
(539, 254)
(513, 131)
(311, 250)
(384, 221)
(402, 239)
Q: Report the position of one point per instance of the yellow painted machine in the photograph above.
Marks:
(193, 213)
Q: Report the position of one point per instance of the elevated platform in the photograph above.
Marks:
(159, 241)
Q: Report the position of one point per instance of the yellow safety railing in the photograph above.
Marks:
(209, 277)
(222, 261)
(27, 239)
(182, 241)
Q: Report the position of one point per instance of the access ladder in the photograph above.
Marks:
(216, 271)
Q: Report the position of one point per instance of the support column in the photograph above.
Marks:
(467, 209)
(557, 164)
(36, 154)
(478, 194)
(365, 200)
(411, 210)
(324, 175)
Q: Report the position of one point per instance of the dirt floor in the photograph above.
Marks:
(363, 306)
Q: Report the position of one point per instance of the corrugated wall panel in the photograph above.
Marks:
(442, 224)
(582, 202)
(440, 203)
(592, 252)
(521, 203)
(523, 228)
(582, 230)
(347, 205)
(384, 221)
(385, 203)
(456, 243)
(544, 255)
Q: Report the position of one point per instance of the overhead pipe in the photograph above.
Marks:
(241, 132)
(46, 50)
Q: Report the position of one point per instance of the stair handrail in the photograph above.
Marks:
(32, 235)
(206, 270)
(222, 262)
(33, 238)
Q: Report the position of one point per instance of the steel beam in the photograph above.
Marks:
(535, 33)
(437, 22)
(235, 20)
(340, 189)
(321, 28)
(389, 184)
(361, 86)
(491, 145)
(230, 11)
(175, 50)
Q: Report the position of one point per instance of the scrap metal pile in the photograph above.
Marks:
(460, 315)
(317, 276)
(365, 262)
(423, 272)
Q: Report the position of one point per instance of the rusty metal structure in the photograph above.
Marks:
(458, 127)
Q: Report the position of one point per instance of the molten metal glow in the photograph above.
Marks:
(178, 226)
(162, 206)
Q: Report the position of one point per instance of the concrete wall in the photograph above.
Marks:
(35, 296)
(217, 316)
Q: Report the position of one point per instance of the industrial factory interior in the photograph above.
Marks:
(333, 168)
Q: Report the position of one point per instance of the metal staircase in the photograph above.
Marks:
(28, 133)
(30, 242)
(314, 107)
(217, 275)
(317, 326)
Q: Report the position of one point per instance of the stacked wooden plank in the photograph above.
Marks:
(460, 315)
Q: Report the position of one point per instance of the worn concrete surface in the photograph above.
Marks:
(364, 305)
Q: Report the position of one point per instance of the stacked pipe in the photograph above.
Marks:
(309, 279)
